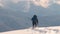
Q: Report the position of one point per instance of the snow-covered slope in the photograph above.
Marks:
(38, 30)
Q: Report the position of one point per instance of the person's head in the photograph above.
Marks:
(35, 16)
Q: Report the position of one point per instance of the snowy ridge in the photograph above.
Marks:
(38, 30)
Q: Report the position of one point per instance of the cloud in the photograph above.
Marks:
(15, 1)
(58, 2)
(45, 3)
(24, 3)
(20, 4)
(1, 3)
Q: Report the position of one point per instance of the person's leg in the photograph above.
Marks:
(36, 24)
(33, 25)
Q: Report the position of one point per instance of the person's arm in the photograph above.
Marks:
(37, 20)
(31, 18)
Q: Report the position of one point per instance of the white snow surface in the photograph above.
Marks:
(37, 30)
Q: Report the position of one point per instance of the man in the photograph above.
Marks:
(34, 21)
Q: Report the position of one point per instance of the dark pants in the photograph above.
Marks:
(34, 24)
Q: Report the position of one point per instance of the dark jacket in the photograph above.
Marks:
(34, 19)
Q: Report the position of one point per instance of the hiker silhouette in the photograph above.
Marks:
(34, 21)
